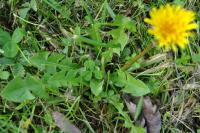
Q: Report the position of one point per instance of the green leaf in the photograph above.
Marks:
(36, 87)
(10, 49)
(89, 64)
(33, 5)
(115, 101)
(92, 42)
(67, 41)
(119, 37)
(72, 78)
(135, 87)
(39, 59)
(26, 4)
(18, 70)
(119, 78)
(58, 80)
(96, 87)
(19, 90)
(107, 55)
(196, 58)
(18, 35)
(98, 74)
(52, 61)
(87, 75)
(4, 37)
(6, 61)
(183, 60)
(16, 91)
(56, 6)
(109, 9)
(125, 22)
(129, 84)
(23, 12)
(94, 32)
(179, 2)
(88, 16)
(137, 130)
(63, 79)
(4, 75)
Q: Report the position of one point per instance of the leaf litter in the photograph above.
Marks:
(150, 117)
(64, 124)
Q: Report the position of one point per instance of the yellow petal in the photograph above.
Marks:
(191, 26)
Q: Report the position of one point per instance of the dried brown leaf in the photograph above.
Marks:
(64, 124)
(152, 117)
(131, 108)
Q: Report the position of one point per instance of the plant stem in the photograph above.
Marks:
(23, 55)
(134, 59)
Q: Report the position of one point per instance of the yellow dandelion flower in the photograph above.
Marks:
(171, 25)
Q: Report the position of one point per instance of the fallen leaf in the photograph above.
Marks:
(131, 108)
(64, 124)
(152, 117)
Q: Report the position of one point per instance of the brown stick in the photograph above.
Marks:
(134, 59)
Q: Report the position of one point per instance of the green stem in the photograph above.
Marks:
(134, 59)
(23, 55)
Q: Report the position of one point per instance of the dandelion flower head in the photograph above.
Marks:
(171, 25)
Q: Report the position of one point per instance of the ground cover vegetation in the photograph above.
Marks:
(99, 66)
